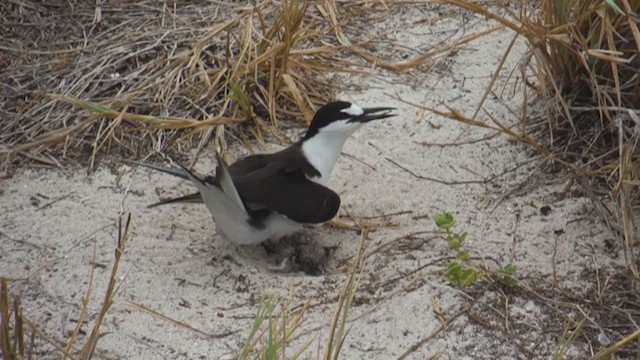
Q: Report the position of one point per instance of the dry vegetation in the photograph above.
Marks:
(583, 63)
(583, 59)
(79, 82)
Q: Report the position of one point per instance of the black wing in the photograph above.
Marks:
(278, 182)
(289, 160)
(290, 194)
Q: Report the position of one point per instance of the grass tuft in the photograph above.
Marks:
(583, 59)
(12, 345)
(271, 332)
(582, 64)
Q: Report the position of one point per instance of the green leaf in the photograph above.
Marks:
(460, 237)
(615, 7)
(444, 220)
(460, 276)
(452, 274)
(507, 271)
(468, 277)
(463, 255)
(454, 243)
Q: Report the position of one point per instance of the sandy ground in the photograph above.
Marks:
(52, 222)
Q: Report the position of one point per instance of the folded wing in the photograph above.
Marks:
(289, 193)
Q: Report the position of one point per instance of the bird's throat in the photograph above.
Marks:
(323, 151)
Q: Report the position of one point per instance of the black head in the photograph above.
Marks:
(350, 116)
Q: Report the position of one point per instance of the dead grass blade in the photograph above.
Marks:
(90, 346)
(337, 329)
(611, 350)
(176, 322)
(421, 59)
(6, 337)
(84, 310)
(140, 83)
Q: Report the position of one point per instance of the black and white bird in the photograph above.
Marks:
(267, 196)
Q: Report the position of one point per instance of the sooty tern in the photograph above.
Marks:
(267, 196)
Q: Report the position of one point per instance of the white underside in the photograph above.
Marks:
(232, 220)
(240, 232)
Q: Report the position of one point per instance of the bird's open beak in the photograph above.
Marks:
(370, 114)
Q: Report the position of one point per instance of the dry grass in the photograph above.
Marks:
(146, 66)
(83, 80)
(12, 344)
(587, 56)
(583, 63)
(273, 332)
(149, 76)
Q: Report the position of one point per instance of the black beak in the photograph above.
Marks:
(370, 114)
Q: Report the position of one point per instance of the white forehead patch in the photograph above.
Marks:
(353, 110)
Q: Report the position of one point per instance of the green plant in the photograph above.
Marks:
(507, 272)
(271, 342)
(462, 271)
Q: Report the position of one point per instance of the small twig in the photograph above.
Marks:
(464, 182)
(178, 323)
(359, 160)
(440, 328)
(404, 212)
(21, 241)
(459, 143)
(55, 201)
(405, 275)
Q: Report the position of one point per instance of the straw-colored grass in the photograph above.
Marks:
(88, 79)
(12, 341)
(83, 80)
(272, 332)
(583, 63)
(147, 66)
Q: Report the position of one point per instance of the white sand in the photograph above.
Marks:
(175, 264)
